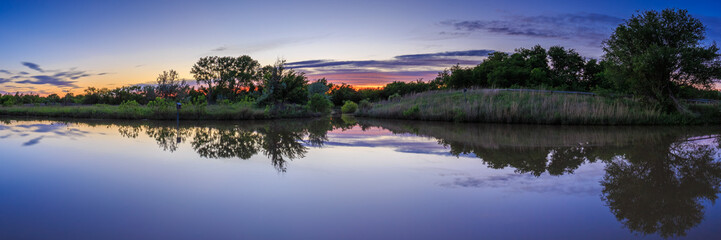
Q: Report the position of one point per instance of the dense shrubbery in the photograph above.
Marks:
(349, 107)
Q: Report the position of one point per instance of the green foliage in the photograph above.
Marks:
(170, 86)
(226, 76)
(161, 105)
(365, 104)
(395, 96)
(412, 112)
(655, 53)
(319, 103)
(486, 105)
(349, 107)
(557, 68)
(281, 86)
(320, 86)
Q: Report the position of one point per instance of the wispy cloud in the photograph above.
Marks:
(58, 78)
(50, 80)
(33, 66)
(5, 71)
(398, 63)
(399, 68)
(589, 27)
(219, 49)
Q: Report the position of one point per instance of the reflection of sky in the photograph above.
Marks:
(363, 185)
(38, 130)
(382, 138)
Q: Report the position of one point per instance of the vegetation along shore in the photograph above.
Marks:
(655, 68)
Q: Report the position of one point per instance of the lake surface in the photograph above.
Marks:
(347, 178)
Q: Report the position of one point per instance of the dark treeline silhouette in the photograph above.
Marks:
(656, 56)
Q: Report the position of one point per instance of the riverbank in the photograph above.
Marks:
(191, 112)
(496, 106)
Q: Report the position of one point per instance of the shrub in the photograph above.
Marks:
(319, 103)
(160, 105)
(412, 112)
(349, 107)
(393, 97)
(365, 105)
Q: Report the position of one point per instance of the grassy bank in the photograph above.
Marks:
(213, 112)
(487, 105)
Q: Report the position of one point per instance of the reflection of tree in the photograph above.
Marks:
(660, 189)
(225, 143)
(129, 131)
(280, 142)
(167, 138)
(653, 183)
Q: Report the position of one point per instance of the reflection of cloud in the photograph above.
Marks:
(583, 182)
(33, 66)
(56, 128)
(386, 139)
(33, 141)
(585, 26)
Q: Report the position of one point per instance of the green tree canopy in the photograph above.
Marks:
(658, 52)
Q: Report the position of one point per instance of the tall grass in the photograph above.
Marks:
(188, 112)
(488, 105)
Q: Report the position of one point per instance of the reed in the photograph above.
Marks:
(213, 112)
(489, 105)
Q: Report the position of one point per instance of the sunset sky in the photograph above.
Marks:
(60, 46)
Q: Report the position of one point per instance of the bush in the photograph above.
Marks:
(365, 105)
(412, 112)
(160, 105)
(319, 103)
(395, 96)
(349, 107)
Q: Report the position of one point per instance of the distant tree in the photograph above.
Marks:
(658, 52)
(226, 75)
(566, 66)
(52, 98)
(170, 85)
(320, 86)
(282, 86)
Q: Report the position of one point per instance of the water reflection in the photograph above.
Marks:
(656, 179)
(659, 189)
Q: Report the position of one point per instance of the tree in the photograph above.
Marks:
(226, 75)
(170, 85)
(320, 86)
(658, 52)
(283, 86)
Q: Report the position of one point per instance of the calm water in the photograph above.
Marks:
(351, 178)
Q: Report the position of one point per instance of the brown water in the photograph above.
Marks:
(348, 178)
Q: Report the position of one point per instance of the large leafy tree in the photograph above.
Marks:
(282, 86)
(226, 75)
(658, 52)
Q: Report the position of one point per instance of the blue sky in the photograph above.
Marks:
(75, 44)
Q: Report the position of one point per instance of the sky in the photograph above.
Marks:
(66, 46)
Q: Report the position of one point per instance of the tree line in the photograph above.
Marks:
(657, 56)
